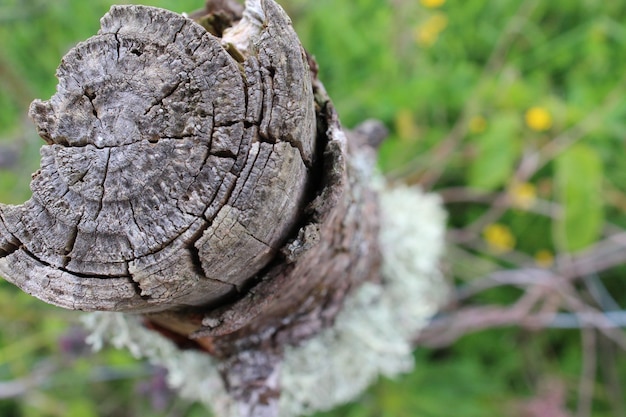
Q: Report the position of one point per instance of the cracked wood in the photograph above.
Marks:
(172, 172)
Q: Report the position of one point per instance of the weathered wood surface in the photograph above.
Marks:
(204, 181)
(172, 173)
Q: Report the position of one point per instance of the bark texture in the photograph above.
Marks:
(198, 174)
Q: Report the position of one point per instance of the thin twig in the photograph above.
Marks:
(588, 374)
(445, 329)
(600, 293)
(606, 254)
(591, 315)
(610, 372)
(617, 319)
(19, 387)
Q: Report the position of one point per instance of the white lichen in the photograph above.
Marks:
(371, 336)
(193, 374)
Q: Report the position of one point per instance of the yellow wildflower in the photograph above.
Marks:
(544, 258)
(499, 238)
(477, 124)
(523, 195)
(431, 4)
(405, 124)
(428, 33)
(538, 119)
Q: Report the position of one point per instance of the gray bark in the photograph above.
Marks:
(204, 184)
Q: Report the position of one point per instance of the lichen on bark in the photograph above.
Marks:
(371, 336)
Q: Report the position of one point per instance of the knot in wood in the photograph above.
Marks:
(173, 170)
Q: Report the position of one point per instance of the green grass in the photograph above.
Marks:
(454, 85)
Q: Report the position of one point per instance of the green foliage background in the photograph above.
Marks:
(453, 83)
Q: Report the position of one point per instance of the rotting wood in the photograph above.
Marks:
(202, 183)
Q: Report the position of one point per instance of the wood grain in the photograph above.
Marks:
(172, 172)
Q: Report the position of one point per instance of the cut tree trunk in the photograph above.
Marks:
(197, 174)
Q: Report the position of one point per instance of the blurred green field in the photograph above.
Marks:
(513, 110)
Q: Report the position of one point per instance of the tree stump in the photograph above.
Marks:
(197, 174)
